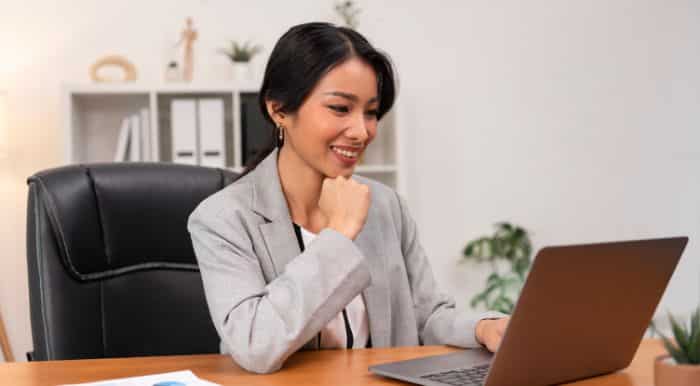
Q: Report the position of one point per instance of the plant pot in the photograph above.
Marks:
(668, 373)
(242, 71)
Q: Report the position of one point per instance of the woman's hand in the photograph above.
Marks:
(345, 203)
(489, 332)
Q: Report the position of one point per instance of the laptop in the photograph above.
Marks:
(582, 313)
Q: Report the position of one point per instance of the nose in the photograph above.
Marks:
(358, 130)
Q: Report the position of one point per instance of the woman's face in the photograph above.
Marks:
(337, 121)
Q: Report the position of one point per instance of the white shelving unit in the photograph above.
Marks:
(94, 112)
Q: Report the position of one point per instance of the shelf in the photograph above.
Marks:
(146, 88)
(94, 112)
(360, 169)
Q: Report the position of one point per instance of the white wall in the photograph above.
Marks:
(576, 119)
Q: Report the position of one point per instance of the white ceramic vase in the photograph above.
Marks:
(242, 71)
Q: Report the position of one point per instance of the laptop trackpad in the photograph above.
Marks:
(435, 364)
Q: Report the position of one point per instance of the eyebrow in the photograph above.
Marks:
(351, 97)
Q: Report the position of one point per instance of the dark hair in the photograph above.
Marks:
(302, 56)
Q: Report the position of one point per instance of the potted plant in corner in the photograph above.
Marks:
(510, 246)
(240, 56)
(681, 366)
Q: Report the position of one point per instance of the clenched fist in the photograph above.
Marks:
(345, 204)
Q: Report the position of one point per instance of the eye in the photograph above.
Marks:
(373, 113)
(339, 108)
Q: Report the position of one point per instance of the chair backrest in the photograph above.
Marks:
(112, 272)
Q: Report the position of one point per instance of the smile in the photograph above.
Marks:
(345, 153)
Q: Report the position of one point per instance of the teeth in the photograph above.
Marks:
(349, 154)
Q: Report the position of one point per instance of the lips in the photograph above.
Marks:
(346, 151)
(347, 156)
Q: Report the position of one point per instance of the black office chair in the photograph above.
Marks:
(112, 272)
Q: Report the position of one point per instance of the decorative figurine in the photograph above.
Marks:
(189, 35)
(113, 60)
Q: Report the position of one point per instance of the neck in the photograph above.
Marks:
(301, 185)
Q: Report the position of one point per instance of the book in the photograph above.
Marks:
(146, 151)
(135, 143)
(123, 141)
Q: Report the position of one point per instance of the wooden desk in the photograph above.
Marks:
(334, 368)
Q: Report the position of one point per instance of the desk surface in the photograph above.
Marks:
(329, 367)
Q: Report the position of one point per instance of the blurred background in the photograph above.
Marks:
(577, 120)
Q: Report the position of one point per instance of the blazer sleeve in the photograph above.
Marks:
(263, 324)
(438, 320)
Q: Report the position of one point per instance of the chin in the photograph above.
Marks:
(345, 173)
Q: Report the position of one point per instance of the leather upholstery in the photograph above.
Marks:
(112, 272)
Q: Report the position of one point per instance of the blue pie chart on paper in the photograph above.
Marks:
(169, 383)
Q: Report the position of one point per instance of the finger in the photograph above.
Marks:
(492, 345)
(497, 342)
(502, 328)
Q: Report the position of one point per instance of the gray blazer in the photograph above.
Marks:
(268, 300)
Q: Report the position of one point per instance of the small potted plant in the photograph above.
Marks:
(348, 12)
(681, 366)
(240, 56)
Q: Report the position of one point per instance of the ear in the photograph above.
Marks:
(274, 110)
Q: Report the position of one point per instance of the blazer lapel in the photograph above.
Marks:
(269, 202)
(282, 245)
(376, 296)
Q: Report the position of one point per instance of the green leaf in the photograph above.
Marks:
(518, 234)
(677, 354)
(478, 298)
(505, 225)
(469, 250)
(503, 304)
(496, 305)
(478, 248)
(671, 348)
(510, 308)
(512, 283)
(694, 340)
(493, 247)
(493, 279)
(483, 297)
(679, 333)
(520, 266)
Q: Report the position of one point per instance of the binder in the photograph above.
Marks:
(183, 119)
(257, 130)
(135, 143)
(123, 141)
(211, 132)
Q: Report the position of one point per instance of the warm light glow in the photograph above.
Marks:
(3, 125)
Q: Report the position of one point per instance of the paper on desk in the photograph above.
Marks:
(176, 378)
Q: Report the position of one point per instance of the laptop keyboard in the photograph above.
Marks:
(471, 376)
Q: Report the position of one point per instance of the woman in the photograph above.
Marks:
(300, 254)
